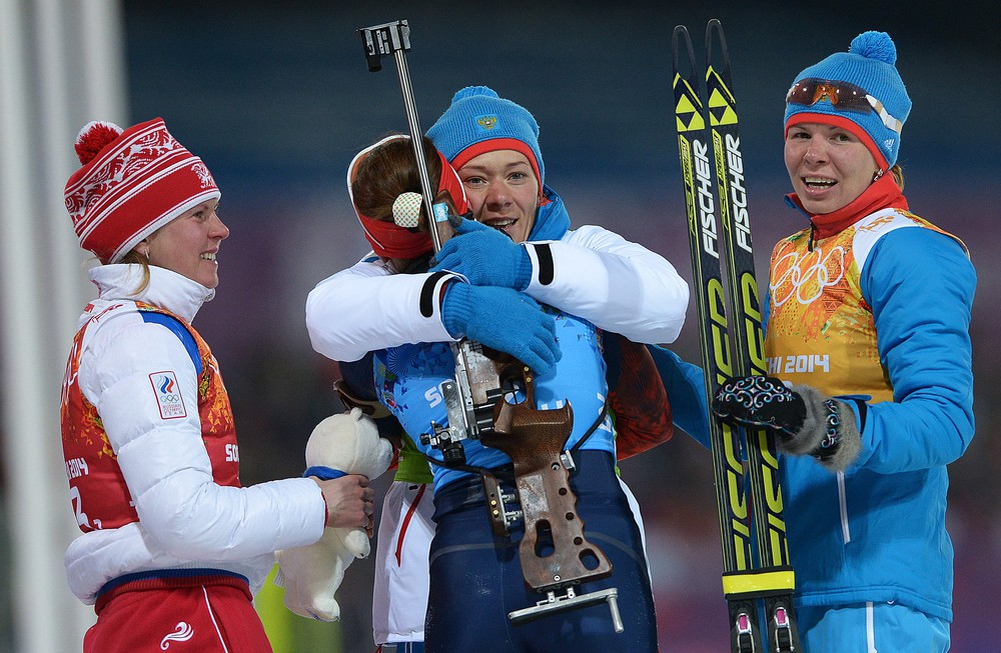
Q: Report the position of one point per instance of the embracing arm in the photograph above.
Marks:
(593, 273)
(617, 285)
(366, 307)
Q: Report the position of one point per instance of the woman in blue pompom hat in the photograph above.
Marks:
(531, 249)
(869, 356)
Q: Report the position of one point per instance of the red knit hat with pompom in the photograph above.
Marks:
(132, 183)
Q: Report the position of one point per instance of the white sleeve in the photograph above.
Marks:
(166, 466)
(617, 285)
(365, 308)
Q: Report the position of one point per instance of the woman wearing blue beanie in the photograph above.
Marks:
(868, 348)
(590, 272)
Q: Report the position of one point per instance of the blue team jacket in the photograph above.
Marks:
(877, 531)
(408, 381)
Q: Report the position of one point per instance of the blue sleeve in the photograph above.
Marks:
(920, 286)
(182, 334)
(686, 390)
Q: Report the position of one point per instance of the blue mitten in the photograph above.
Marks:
(485, 256)
(502, 319)
(804, 420)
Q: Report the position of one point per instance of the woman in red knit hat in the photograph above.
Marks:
(173, 549)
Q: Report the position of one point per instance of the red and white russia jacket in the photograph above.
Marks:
(150, 446)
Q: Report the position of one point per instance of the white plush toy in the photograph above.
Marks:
(348, 442)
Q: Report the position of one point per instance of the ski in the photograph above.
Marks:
(715, 196)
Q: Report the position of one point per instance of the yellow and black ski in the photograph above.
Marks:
(715, 196)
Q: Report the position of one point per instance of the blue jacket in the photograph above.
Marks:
(408, 378)
(877, 531)
(408, 381)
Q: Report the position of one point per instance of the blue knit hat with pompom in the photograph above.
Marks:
(869, 64)
(478, 116)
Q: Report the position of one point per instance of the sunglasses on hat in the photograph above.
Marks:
(843, 95)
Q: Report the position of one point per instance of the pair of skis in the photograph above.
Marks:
(715, 194)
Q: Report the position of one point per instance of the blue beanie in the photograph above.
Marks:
(478, 115)
(869, 64)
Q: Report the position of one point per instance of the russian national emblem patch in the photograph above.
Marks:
(487, 123)
(168, 395)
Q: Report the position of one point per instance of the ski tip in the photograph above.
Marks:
(714, 27)
(682, 38)
(680, 34)
(715, 38)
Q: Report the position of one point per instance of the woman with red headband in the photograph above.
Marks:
(465, 552)
(173, 548)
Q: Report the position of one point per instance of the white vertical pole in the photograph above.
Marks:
(61, 65)
(103, 66)
(29, 436)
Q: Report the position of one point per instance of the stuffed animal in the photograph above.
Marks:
(349, 443)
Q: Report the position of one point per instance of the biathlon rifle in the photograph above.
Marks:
(476, 409)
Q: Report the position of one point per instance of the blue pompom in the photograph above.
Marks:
(875, 45)
(471, 91)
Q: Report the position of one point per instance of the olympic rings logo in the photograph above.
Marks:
(806, 278)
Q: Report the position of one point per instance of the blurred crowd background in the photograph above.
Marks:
(276, 98)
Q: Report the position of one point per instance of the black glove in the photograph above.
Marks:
(804, 420)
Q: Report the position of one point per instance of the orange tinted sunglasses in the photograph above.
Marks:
(843, 95)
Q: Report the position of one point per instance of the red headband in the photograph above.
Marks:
(843, 123)
(390, 240)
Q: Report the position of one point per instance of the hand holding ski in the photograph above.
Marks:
(805, 420)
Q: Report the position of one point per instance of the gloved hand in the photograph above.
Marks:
(502, 319)
(804, 420)
(485, 256)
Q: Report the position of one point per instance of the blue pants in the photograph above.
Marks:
(871, 628)
(476, 577)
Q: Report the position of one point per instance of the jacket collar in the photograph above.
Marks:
(551, 218)
(166, 289)
(881, 194)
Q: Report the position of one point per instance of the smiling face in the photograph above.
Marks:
(503, 191)
(829, 166)
(188, 244)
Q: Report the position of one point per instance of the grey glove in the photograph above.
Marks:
(804, 420)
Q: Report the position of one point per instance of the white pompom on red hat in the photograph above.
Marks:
(132, 183)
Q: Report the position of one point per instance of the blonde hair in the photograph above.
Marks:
(898, 175)
(135, 257)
